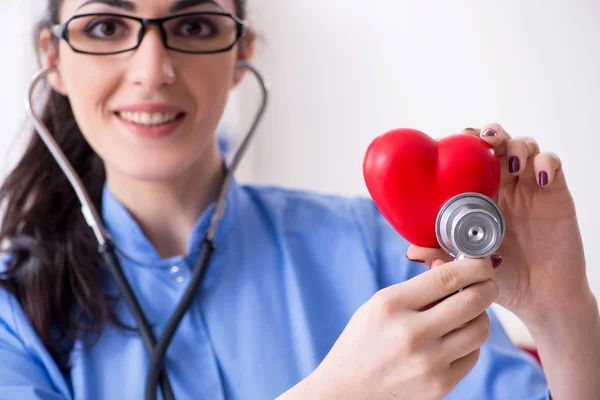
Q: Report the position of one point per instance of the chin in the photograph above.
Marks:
(147, 169)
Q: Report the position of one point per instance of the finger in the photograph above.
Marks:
(460, 368)
(436, 262)
(496, 260)
(425, 255)
(495, 135)
(466, 339)
(432, 286)
(462, 307)
(548, 169)
(471, 131)
(518, 152)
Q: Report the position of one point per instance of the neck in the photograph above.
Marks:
(167, 210)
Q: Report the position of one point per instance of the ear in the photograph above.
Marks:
(245, 53)
(50, 49)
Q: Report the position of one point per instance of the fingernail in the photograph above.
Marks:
(432, 261)
(415, 260)
(514, 164)
(543, 178)
(469, 129)
(489, 132)
(496, 260)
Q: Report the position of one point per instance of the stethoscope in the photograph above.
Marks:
(469, 225)
(106, 246)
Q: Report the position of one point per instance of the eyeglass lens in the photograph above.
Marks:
(199, 32)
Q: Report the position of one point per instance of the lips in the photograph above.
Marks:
(150, 120)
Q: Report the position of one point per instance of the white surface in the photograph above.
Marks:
(344, 71)
(17, 67)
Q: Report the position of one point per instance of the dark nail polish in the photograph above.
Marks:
(489, 132)
(543, 178)
(415, 260)
(514, 165)
(496, 260)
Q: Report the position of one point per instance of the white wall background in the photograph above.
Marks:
(344, 71)
(17, 67)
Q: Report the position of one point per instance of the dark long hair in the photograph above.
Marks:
(54, 270)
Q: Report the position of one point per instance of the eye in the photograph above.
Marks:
(196, 27)
(106, 28)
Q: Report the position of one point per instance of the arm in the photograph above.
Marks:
(568, 341)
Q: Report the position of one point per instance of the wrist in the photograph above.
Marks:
(568, 342)
(327, 385)
(569, 301)
(565, 318)
(317, 385)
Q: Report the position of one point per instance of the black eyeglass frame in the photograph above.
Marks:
(61, 31)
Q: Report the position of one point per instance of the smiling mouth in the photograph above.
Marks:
(149, 119)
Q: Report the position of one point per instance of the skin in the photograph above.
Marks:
(181, 174)
(412, 345)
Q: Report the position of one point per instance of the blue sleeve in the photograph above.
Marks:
(503, 370)
(22, 374)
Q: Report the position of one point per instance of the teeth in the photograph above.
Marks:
(148, 119)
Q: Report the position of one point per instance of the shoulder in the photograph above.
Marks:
(10, 309)
(15, 324)
(7, 299)
(19, 341)
(26, 366)
(15, 332)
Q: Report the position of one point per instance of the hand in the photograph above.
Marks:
(543, 260)
(412, 341)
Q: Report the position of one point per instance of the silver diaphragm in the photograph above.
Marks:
(470, 225)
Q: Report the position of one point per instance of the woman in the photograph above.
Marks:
(307, 296)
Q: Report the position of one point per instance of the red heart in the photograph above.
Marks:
(410, 176)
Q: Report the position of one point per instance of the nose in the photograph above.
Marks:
(150, 65)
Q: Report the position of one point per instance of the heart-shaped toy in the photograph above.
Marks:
(410, 176)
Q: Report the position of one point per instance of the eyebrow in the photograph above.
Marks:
(123, 4)
(130, 6)
(184, 4)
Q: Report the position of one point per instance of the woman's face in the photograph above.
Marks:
(125, 103)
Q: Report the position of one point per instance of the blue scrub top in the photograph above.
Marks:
(290, 269)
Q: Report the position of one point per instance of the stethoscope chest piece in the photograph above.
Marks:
(470, 225)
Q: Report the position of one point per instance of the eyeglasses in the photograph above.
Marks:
(196, 33)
